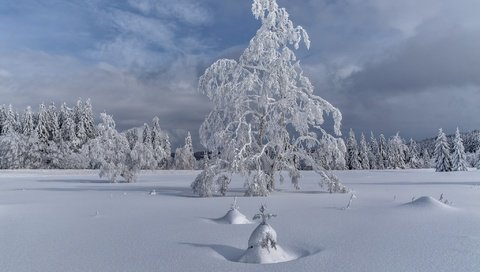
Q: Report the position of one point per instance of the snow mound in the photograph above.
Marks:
(427, 202)
(260, 255)
(233, 216)
(261, 252)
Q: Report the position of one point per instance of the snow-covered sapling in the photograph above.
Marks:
(233, 216)
(262, 244)
(263, 216)
(234, 205)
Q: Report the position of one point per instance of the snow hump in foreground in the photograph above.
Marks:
(234, 217)
(427, 202)
(259, 253)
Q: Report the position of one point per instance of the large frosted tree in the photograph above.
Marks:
(443, 162)
(459, 162)
(265, 115)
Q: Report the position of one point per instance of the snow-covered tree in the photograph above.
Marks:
(363, 153)
(12, 149)
(382, 152)
(184, 158)
(9, 123)
(459, 162)
(413, 157)
(443, 162)
(330, 153)
(52, 125)
(353, 160)
(160, 145)
(426, 159)
(265, 114)
(110, 150)
(396, 152)
(28, 125)
(373, 152)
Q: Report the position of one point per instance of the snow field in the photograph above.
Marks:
(73, 221)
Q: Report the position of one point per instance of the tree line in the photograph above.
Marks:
(68, 138)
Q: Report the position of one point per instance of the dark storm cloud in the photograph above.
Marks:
(408, 66)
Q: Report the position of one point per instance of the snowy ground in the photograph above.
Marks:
(73, 221)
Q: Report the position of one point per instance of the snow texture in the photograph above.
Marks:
(53, 220)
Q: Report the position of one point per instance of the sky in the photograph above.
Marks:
(390, 66)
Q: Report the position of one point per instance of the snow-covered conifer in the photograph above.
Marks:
(373, 152)
(353, 160)
(42, 131)
(28, 125)
(52, 125)
(259, 100)
(382, 152)
(160, 145)
(396, 152)
(363, 153)
(413, 158)
(426, 159)
(184, 158)
(9, 123)
(443, 161)
(89, 122)
(458, 157)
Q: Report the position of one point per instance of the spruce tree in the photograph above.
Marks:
(396, 152)
(363, 153)
(443, 162)
(382, 152)
(413, 159)
(353, 160)
(459, 162)
(373, 152)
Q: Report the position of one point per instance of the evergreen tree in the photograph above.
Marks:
(373, 152)
(443, 161)
(426, 158)
(413, 158)
(42, 131)
(459, 162)
(382, 152)
(184, 158)
(363, 153)
(3, 117)
(396, 152)
(28, 125)
(52, 125)
(9, 123)
(353, 160)
(160, 144)
(87, 118)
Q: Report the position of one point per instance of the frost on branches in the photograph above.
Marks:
(265, 117)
